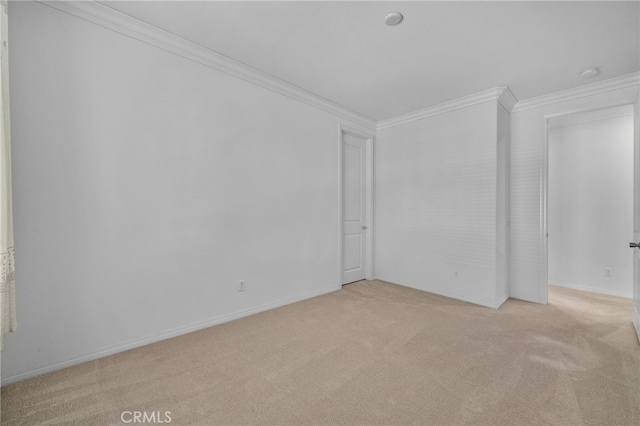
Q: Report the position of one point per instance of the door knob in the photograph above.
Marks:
(634, 245)
(364, 227)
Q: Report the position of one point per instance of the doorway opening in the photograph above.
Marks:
(590, 202)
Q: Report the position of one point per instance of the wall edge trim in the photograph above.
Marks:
(129, 26)
(501, 94)
(507, 99)
(593, 116)
(494, 305)
(636, 322)
(591, 289)
(501, 301)
(174, 332)
(609, 85)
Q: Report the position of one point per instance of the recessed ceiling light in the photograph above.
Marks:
(393, 18)
(589, 72)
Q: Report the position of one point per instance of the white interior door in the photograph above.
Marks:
(354, 228)
(636, 220)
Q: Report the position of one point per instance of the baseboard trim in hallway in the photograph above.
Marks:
(593, 289)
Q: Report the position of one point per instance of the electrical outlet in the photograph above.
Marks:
(608, 272)
(455, 274)
(241, 286)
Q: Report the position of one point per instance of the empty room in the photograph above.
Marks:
(320, 213)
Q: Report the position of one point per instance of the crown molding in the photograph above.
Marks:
(616, 83)
(122, 23)
(507, 99)
(501, 94)
(591, 116)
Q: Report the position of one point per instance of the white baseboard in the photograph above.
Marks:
(48, 368)
(636, 322)
(493, 305)
(501, 301)
(593, 289)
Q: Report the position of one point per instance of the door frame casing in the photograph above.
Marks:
(636, 218)
(369, 198)
(543, 268)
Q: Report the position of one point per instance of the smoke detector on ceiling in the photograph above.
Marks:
(589, 72)
(394, 18)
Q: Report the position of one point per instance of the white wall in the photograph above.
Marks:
(436, 201)
(528, 144)
(591, 201)
(147, 186)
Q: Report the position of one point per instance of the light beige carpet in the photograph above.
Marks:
(373, 353)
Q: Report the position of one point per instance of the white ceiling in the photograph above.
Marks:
(344, 52)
